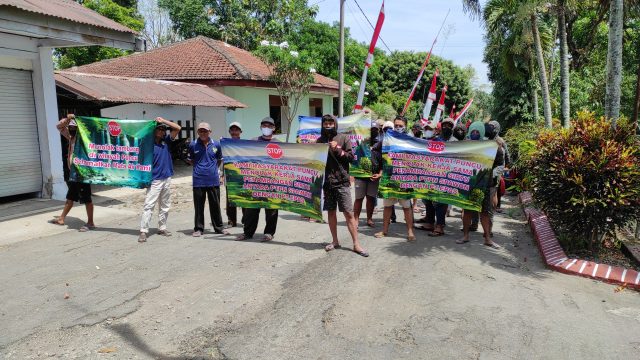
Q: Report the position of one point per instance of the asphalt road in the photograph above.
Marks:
(214, 298)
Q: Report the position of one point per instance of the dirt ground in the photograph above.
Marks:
(215, 298)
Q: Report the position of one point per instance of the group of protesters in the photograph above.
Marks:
(205, 155)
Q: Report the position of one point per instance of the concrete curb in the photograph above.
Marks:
(555, 258)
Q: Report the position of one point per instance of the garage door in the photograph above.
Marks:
(20, 170)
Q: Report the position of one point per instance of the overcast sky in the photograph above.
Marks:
(412, 25)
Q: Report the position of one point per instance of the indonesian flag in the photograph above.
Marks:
(464, 110)
(430, 99)
(369, 61)
(440, 108)
(452, 114)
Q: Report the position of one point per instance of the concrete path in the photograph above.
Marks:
(214, 298)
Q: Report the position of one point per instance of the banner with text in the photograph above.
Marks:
(274, 175)
(356, 126)
(113, 152)
(456, 173)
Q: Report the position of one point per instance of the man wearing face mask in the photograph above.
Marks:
(337, 188)
(459, 132)
(399, 125)
(77, 191)
(251, 216)
(368, 187)
(416, 130)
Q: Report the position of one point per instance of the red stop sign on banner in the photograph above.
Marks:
(114, 128)
(274, 151)
(435, 146)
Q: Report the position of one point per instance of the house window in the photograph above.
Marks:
(315, 107)
(277, 112)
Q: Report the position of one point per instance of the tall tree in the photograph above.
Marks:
(614, 61)
(564, 65)
(544, 85)
(240, 23)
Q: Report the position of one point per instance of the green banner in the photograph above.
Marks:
(274, 175)
(356, 126)
(456, 173)
(113, 152)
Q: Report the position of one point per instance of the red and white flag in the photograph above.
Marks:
(464, 110)
(452, 114)
(439, 109)
(369, 61)
(430, 99)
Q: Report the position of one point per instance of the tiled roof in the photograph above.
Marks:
(67, 10)
(199, 58)
(148, 91)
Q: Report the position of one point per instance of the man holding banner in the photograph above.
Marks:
(160, 188)
(77, 191)
(251, 216)
(337, 187)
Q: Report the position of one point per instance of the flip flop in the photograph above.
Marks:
(462, 241)
(423, 227)
(371, 224)
(55, 222)
(362, 253)
(411, 238)
(436, 233)
(332, 247)
(87, 227)
(266, 237)
(379, 235)
(493, 245)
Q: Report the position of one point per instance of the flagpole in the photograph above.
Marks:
(341, 71)
(369, 61)
(424, 65)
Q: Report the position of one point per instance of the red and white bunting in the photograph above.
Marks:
(452, 114)
(430, 99)
(369, 61)
(464, 110)
(439, 109)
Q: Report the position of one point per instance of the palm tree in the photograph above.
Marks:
(564, 65)
(614, 61)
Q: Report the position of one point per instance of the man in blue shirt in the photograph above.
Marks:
(206, 156)
(160, 188)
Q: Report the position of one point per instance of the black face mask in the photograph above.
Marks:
(329, 133)
(459, 135)
(446, 133)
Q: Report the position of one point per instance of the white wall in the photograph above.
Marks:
(257, 101)
(214, 116)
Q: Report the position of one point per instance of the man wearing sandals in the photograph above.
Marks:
(368, 187)
(476, 132)
(337, 187)
(251, 216)
(206, 156)
(399, 125)
(436, 212)
(77, 191)
(160, 188)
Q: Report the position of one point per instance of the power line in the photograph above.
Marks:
(373, 27)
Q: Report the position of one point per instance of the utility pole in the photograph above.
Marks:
(341, 76)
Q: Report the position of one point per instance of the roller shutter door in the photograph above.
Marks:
(20, 168)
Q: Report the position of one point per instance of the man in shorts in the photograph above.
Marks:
(368, 187)
(78, 192)
(337, 187)
(399, 125)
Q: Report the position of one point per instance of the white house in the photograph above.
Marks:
(232, 71)
(30, 152)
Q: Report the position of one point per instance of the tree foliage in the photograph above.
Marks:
(121, 11)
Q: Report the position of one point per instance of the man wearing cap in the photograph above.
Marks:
(235, 129)
(206, 156)
(77, 191)
(160, 188)
(251, 216)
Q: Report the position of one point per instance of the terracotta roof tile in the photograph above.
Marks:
(199, 58)
(67, 10)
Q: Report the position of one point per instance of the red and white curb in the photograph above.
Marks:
(555, 258)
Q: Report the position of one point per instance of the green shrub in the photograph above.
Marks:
(587, 178)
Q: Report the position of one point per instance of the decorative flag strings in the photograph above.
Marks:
(369, 61)
(439, 109)
(461, 114)
(430, 99)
